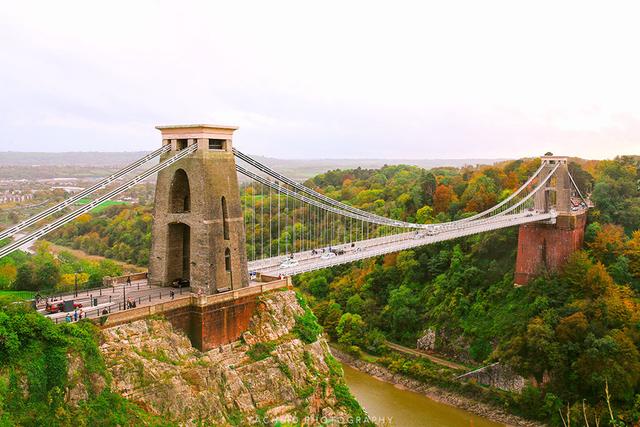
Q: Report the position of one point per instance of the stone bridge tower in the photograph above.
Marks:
(198, 227)
(547, 246)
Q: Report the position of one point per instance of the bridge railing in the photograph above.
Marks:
(113, 280)
(497, 223)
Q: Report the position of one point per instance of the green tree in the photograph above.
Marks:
(25, 278)
(427, 186)
(318, 286)
(47, 275)
(351, 329)
(402, 313)
(355, 304)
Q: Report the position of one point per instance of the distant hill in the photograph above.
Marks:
(48, 165)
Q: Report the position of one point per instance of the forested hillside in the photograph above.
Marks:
(576, 333)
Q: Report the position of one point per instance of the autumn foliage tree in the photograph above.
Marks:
(442, 198)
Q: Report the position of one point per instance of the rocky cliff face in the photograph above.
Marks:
(269, 375)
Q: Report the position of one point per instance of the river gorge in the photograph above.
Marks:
(390, 405)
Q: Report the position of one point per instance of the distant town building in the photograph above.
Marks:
(68, 188)
(15, 196)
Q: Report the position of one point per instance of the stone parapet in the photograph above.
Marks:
(208, 320)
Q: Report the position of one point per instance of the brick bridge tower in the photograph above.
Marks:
(546, 246)
(198, 228)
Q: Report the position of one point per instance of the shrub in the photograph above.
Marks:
(261, 350)
(307, 327)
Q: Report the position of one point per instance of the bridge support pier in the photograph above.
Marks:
(547, 247)
(198, 228)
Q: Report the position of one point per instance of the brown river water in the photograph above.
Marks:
(392, 406)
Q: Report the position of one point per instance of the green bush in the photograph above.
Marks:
(306, 327)
(261, 350)
(33, 352)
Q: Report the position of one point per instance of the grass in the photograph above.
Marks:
(17, 294)
(102, 206)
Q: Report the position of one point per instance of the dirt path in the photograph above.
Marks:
(131, 268)
(431, 357)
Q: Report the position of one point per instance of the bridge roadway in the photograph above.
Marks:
(384, 245)
(114, 298)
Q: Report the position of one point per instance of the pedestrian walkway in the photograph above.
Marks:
(420, 353)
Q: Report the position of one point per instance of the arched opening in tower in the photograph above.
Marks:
(225, 219)
(180, 196)
(179, 252)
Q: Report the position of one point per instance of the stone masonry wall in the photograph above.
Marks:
(547, 246)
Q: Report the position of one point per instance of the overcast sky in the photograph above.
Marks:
(344, 79)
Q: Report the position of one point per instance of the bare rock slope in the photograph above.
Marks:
(271, 374)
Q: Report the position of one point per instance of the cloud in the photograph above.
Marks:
(336, 79)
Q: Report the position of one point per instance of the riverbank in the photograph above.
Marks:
(437, 394)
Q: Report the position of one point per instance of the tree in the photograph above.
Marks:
(613, 358)
(355, 304)
(25, 278)
(351, 329)
(8, 273)
(47, 275)
(318, 286)
(621, 272)
(632, 253)
(402, 313)
(481, 194)
(374, 341)
(609, 243)
(424, 215)
(427, 186)
(536, 351)
(616, 194)
(329, 314)
(583, 179)
(597, 281)
(442, 198)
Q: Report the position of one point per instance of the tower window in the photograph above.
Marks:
(227, 259)
(225, 219)
(216, 144)
(182, 144)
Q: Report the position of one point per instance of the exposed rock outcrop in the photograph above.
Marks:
(496, 375)
(428, 341)
(270, 374)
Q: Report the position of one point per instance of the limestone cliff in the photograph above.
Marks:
(270, 374)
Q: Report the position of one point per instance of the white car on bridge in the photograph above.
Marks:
(328, 255)
(289, 263)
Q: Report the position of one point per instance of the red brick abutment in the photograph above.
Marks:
(547, 247)
(208, 320)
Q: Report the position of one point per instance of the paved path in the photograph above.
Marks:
(114, 298)
(431, 357)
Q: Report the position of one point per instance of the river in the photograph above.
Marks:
(404, 408)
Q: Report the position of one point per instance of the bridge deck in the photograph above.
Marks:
(384, 245)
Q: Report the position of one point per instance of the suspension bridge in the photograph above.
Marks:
(293, 228)
(233, 228)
